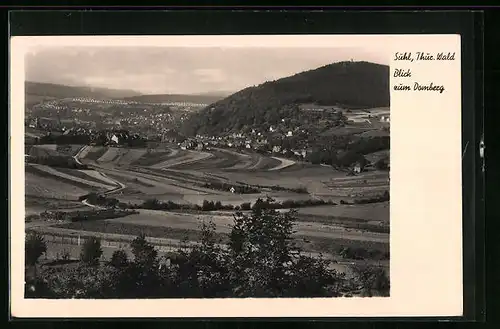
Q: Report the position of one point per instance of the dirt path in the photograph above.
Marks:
(54, 172)
(285, 163)
(84, 150)
(116, 185)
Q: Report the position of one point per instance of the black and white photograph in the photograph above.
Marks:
(196, 176)
(206, 172)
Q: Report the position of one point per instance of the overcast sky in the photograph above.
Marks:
(180, 70)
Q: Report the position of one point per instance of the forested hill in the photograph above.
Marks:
(347, 84)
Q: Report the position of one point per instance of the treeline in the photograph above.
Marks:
(80, 139)
(101, 138)
(155, 204)
(363, 253)
(244, 188)
(341, 153)
(240, 189)
(259, 260)
(80, 215)
(382, 198)
(299, 190)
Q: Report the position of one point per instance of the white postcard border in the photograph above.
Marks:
(426, 198)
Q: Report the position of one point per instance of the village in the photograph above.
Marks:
(148, 127)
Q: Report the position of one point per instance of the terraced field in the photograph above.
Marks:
(183, 159)
(43, 150)
(121, 156)
(92, 153)
(47, 171)
(376, 212)
(50, 187)
(190, 177)
(153, 157)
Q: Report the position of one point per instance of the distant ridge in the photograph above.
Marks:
(166, 98)
(51, 90)
(347, 84)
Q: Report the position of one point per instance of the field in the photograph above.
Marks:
(133, 175)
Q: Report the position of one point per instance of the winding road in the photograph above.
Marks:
(120, 185)
(285, 163)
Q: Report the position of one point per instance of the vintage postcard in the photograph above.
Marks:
(236, 176)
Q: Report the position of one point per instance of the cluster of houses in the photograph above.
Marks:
(130, 102)
(55, 125)
(116, 138)
(78, 131)
(236, 140)
(240, 141)
(153, 121)
(101, 101)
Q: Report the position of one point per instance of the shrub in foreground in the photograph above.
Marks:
(91, 251)
(35, 247)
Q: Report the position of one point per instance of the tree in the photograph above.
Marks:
(208, 205)
(311, 277)
(91, 251)
(246, 206)
(119, 259)
(151, 204)
(140, 279)
(144, 252)
(203, 271)
(373, 280)
(35, 246)
(262, 251)
(264, 261)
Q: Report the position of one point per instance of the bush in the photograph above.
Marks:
(153, 204)
(246, 206)
(100, 200)
(382, 198)
(119, 259)
(35, 246)
(373, 280)
(241, 189)
(144, 252)
(91, 251)
(208, 205)
(302, 190)
(289, 204)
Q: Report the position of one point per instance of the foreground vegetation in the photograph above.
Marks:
(260, 259)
